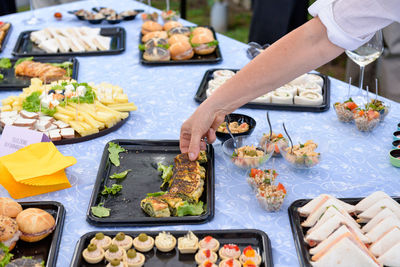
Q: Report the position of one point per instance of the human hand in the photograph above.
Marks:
(202, 123)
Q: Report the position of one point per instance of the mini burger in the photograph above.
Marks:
(181, 51)
(35, 224)
(179, 30)
(203, 44)
(171, 24)
(9, 233)
(202, 30)
(176, 38)
(160, 42)
(9, 207)
(150, 26)
(157, 34)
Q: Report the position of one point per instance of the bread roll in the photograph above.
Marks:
(156, 34)
(9, 233)
(151, 26)
(35, 224)
(200, 43)
(171, 24)
(178, 38)
(181, 51)
(202, 30)
(156, 54)
(9, 207)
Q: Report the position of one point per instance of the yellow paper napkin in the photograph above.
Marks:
(35, 169)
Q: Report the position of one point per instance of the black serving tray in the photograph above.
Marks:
(299, 232)
(46, 249)
(142, 158)
(326, 94)
(24, 47)
(3, 44)
(241, 237)
(13, 82)
(213, 58)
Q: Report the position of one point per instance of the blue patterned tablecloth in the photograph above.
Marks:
(354, 164)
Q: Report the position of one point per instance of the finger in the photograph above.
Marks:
(203, 144)
(194, 146)
(211, 137)
(184, 139)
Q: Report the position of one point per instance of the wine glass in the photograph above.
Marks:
(364, 55)
(33, 20)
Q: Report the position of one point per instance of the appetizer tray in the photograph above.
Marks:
(25, 47)
(46, 249)
(241, 237)
(5, 39)
(142, 157)
(13, 82)
(78, 138)
(213, 58)
(326, 94)
(299, 232)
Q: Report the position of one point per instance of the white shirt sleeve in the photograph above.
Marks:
(351, 23)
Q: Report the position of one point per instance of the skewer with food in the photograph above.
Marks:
(64, 109)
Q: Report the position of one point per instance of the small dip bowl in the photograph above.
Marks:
(395, 157)
(396, 144)
(396, 135)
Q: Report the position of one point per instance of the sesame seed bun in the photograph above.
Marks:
(8, 230)
(9, 207)
(156, 34)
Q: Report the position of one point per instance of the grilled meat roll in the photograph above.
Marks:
(43, 71)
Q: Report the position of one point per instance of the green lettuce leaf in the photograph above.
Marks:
(32, 104)
(120, 175)
(190, 209)
(114, 189)
(5, 63)
(114, 150)
(100, 211)
(166, 173)
(7, 255)
(156, 194)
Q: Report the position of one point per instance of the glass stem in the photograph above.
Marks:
(361, 77)
(32, 10)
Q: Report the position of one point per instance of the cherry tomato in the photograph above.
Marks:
(58, 15)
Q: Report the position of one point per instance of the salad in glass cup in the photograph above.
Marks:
(345, 110)
(366, 120)
(275, 139)
(302, 156)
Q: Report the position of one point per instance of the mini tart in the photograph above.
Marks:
(123, 241)
(165, 242)
(205, 254)
(207, 263)
(143, 245)
(101, 240)
(230, 263)
(110, 255)
(93, 254)
(134, 259)
(210, 243)
(188, 244)
(250, 254)
(229, 251)
(117, 263)
(250, 263)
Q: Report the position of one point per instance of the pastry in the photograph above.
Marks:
(92, 254)
(143, 243)
(209, 242)
(101, 241)
(165, 242)
(229, 251)
(250, 254)
(230, 263)
(123, 241)
(205, 254)
(115, 252)
(116, 263)
(134, 259)
(188, 243)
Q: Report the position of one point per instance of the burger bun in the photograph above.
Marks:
(181, 51)
(9, 233)
(9, 207)
(150, 26)
(156, 34)
(35, 224)
(177, 38)
(200, 43)
(171, 24)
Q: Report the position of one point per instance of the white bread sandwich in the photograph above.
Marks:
(75, 45)
(340, 231)
(385, 241)
(382, 227)
(373, 210)
(62, 43)
(318, 201)
(383, 214)
(103, 43)
(370, 200)
(391, 257)
(345, 251)
(50, 46)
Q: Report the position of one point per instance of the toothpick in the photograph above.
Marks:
(167, 5)
(367, 93)
(376, 89)
(94, 102)
(348, 90)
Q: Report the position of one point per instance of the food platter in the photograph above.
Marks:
(212, 58)
(201, 95)
(46, 249)
(13, 82)
(6, 37)
(242, 237)
(25, 47)
(299, 232)
(142, 157)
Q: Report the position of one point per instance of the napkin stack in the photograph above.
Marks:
(33, 170)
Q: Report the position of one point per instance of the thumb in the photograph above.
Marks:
(194, 146)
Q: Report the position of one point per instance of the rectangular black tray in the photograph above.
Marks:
(5, 40)
(12, 82)
(299, 232)
(46, 249)
(326, 94)
(24, 47)
(241, 237)
(213, 58)
(142, 158)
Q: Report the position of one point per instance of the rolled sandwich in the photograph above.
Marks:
(308, 98)
(288, 88)
(315, 78)
(103, 43)
(223, 74)
(311, 86)
(263, 99)
(281, 97)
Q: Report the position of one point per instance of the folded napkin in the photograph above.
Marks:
(34, 169)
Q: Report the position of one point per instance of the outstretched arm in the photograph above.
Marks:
(298, 52)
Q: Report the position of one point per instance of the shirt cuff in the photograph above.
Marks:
(324, 11)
